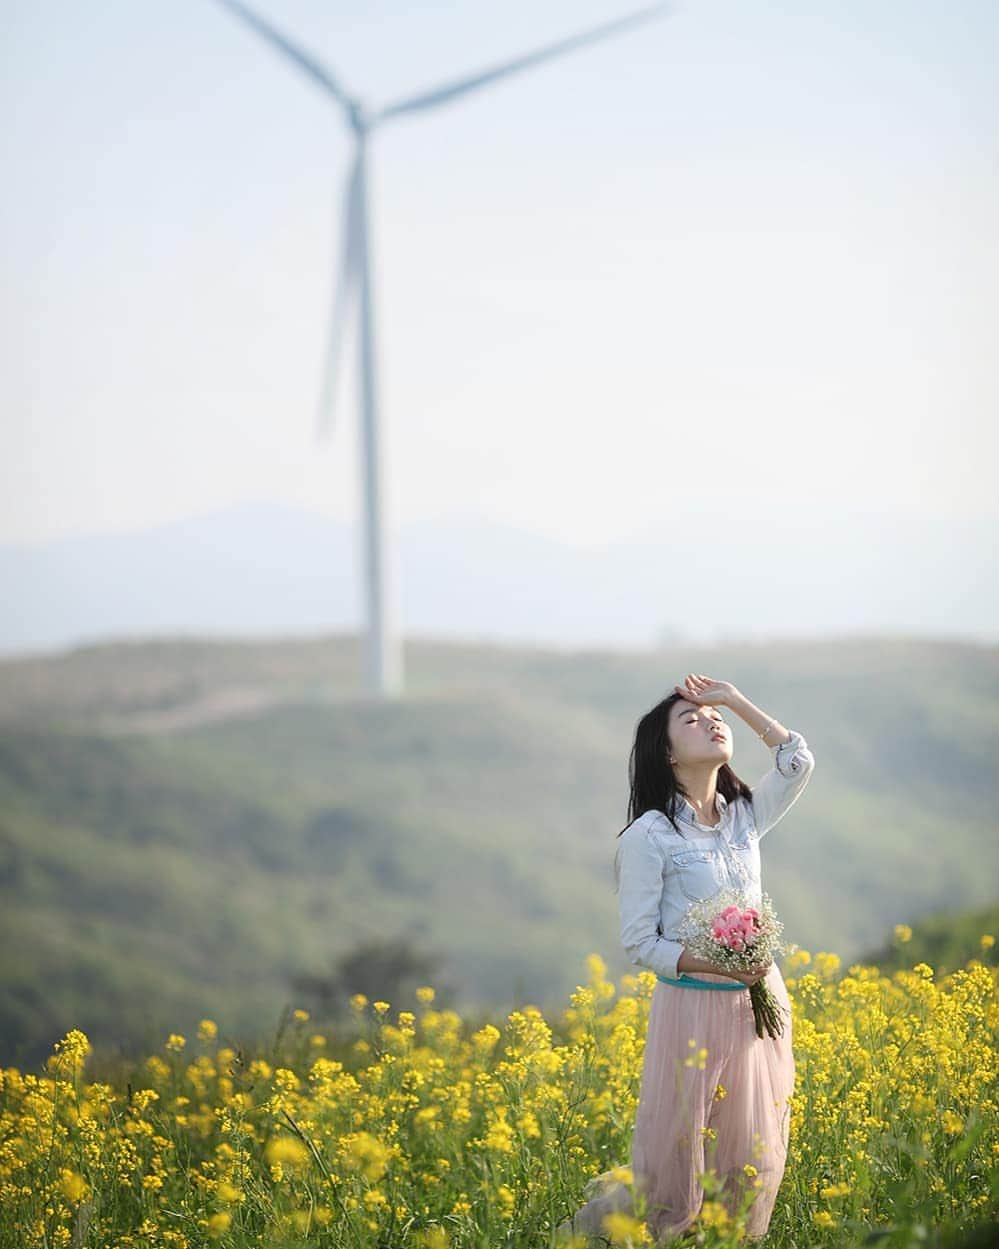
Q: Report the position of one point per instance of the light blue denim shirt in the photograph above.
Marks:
(659, 871)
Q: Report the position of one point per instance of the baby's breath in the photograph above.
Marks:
(695, 932)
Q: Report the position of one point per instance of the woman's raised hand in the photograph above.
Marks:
(706, 691)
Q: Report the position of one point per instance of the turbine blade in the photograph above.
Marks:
(452, 90)
(302, 59)
(350, 267)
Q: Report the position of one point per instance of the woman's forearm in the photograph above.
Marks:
(775, 735)
(688, 962)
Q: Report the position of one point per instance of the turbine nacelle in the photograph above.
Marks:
(359, 117)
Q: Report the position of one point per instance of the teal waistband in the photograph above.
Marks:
(691, 982)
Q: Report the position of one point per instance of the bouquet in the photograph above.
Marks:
(731, 934)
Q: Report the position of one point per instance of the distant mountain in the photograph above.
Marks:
(259, 569)
(186, 826)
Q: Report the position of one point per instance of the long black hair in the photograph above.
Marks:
(654, 786)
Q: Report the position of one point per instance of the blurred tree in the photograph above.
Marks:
(387, 969)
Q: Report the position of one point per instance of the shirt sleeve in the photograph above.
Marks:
(779, 789)
(639, 873)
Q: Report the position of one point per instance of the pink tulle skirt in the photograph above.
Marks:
(748, 1122)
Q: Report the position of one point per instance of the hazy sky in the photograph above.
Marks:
(744, 259)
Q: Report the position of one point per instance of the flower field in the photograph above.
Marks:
(421, 1129)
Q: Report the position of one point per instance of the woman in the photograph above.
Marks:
(695, 828)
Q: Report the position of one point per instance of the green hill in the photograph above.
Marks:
(944, 941)
(186, 827)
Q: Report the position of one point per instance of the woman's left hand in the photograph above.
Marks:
(707, 691)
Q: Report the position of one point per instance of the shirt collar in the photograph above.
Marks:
(689, 813)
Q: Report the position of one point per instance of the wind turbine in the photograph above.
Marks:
(383, 659)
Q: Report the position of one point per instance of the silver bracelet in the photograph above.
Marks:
(763, 735)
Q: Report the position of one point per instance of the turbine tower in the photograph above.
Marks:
(383, 657)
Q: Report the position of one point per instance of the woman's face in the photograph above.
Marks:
(698, 734)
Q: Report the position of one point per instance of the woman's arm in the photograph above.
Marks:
(777, 790)
(639, 873)
(688, 962)
(772, 732)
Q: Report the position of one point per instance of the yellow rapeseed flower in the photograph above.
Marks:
(175, 1042)
(425, 994)
(714, 1214)
(208, 1030)
(903, 933)
(142, 1099)
(506, 1200)
(218, 1224)
(826, 965)
(367, 1154)
(952, 1123)
(500, 1136)
(597, 970)
(596, 967)
(987, 941)
(622, 1228)
(286, 1080)
(485, 1039)
(878, 1053)
(286, 1150)
(70, 1053)
(72, 1185)
(528, 1124)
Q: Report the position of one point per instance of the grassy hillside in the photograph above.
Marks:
(944, 941)
(192, 825)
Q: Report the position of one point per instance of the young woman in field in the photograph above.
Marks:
(695, 828)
